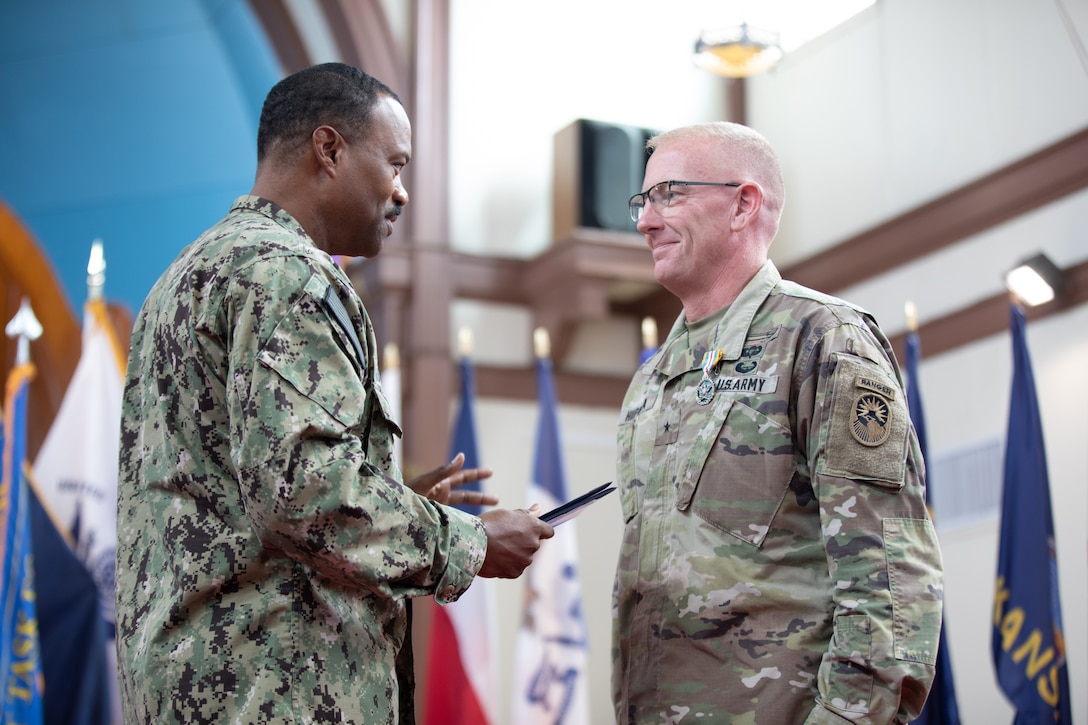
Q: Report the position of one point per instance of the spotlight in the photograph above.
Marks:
(1034, 281)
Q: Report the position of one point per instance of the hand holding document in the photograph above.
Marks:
(572, 508)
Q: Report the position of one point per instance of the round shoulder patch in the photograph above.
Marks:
(872, 415)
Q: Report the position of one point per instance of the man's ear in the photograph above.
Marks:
(749, 204)
(327, 145)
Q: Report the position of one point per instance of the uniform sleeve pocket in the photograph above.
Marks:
(743, 474)
(629, 494)
(916, 588)
(846, 674)
(304, 353)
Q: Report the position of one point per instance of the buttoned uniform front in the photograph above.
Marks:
(778, 563)
(266, 544)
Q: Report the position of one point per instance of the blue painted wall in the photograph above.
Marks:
(127, 120)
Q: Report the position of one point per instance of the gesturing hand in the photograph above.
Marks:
(438, 484)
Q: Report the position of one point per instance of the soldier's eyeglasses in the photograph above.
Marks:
(660, 195)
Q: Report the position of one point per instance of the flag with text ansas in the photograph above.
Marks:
(1027, 643)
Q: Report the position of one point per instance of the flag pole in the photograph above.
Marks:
(541, 343)
(649, 333)
(25, 327)
(912, 316)
(96, 272)
(464, 342)
(391, 356)
(649, 339)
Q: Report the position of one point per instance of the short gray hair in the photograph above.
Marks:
(747, 151)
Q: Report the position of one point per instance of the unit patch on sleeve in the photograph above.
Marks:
(871, 417)
(868, 427)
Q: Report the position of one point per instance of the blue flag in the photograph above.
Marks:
(20, 653)
(645, 354)
(461, 682)
(1027, 643)
(548, 474)
(649, 340)
(550, 674)
(941, 707)
(71, 631)
(463, 439)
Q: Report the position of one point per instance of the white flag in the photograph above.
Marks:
(550, 685)
(76, 467)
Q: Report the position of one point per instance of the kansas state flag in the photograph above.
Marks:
(1027, 643)
(20, 654)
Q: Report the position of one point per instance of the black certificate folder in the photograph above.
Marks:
(572, 508)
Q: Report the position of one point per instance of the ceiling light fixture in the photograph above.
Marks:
(738, 52)
(1035, 281)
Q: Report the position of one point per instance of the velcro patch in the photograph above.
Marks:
(868, 427)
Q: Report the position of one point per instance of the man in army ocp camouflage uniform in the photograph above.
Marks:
(778, 564)
(266, 544)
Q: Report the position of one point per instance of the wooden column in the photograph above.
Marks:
(426, 353)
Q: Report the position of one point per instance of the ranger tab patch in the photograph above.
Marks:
(876, 386)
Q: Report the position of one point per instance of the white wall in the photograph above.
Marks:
(912, 99)
(909, 100)
(520, 72)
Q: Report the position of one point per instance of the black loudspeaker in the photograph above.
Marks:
(598, 166)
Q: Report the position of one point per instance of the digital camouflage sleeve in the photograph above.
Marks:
(266, 544)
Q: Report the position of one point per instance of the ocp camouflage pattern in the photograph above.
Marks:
(265, 550)
(778, 563)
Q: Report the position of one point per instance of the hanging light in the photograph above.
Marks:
(737, 52)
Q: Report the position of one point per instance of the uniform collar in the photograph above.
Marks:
(270, 209)
(728, 329)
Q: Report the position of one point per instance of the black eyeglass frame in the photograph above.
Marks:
(637, 203)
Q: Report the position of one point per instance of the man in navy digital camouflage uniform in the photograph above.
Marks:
(266, 544)
(778, 564)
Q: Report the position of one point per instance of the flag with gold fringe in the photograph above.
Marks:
(20, 653)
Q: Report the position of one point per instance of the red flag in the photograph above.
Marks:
(460, 677)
